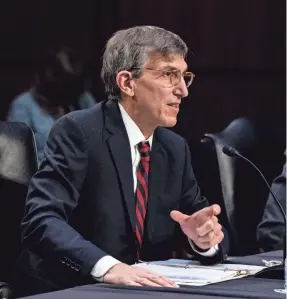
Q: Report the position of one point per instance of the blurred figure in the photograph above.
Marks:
(271, 230)
(59, 88)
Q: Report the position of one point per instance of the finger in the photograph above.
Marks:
(161, 280)
(146, 282)
(216, 209)
(168, 281)
(155, 281)
(207, 227)
(208, 237)
(207, 213)
(217, 240)
(208, 245)
(178, 216)
(217, 229)
(130, 282)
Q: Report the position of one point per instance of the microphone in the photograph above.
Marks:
(230, 151)
(279, 270)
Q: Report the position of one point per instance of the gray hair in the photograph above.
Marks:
(129, 49)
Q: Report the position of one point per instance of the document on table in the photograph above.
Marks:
(186, 272)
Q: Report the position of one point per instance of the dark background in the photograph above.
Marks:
(238, 47)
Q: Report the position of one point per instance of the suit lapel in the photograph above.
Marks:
(158, 169)
(119, 146)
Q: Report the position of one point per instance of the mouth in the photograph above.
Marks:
(174, 105)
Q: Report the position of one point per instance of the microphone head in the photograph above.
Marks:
(230, 151)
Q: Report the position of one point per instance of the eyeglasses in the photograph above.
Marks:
(174, 76)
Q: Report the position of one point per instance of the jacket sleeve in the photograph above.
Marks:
(53, 195)
(271, 229)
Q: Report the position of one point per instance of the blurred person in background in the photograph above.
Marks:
(59, 87)
(271, 229)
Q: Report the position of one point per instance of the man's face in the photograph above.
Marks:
(156, 99)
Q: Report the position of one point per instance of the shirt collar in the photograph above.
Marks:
(134, 133)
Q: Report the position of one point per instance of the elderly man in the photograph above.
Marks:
(115, 186)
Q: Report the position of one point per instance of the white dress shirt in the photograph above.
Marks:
(135, 136)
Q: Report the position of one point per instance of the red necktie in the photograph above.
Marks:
(142, 192)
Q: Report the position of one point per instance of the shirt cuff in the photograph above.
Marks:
(209, 253)
(103, 266)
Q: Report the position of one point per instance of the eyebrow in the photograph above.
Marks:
(172, 68)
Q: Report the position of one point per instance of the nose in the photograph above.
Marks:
(181, 89)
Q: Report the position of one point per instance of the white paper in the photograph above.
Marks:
(192, 273)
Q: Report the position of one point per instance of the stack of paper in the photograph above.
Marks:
(188, 272)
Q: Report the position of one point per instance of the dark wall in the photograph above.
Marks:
(238, 50)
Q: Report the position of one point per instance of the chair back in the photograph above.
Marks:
(234, 184)
(18, 162)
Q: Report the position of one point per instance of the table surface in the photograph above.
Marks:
(248, 287)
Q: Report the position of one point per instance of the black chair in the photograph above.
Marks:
(18, 162)
(234, 184)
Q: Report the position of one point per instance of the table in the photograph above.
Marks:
(249, 287)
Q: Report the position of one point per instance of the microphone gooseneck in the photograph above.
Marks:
(232, 152)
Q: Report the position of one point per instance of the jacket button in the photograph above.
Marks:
(77, 267)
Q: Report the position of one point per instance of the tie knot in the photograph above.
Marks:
(144, 148)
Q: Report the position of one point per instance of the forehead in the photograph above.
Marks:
(159, 61)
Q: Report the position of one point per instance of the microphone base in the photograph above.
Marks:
(278, 271)
(274, 272)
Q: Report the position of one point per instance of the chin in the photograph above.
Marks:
(170, 122)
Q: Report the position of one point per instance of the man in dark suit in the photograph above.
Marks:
(115, 186)
(271, 229)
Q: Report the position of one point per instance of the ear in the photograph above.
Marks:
(125, 83)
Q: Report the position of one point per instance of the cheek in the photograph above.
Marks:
(154, 102)
(159, 100)
(159, 107)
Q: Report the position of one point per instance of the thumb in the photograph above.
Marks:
(178, 216)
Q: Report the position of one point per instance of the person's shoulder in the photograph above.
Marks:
(87, 100)
(86, 118)
(172, 142)
(86, 122)
(283, 174)
(24, 98)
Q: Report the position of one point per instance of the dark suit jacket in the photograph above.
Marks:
(271, 230)
(81, 203)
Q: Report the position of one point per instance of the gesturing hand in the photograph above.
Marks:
(123, 274)
(201, 227)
